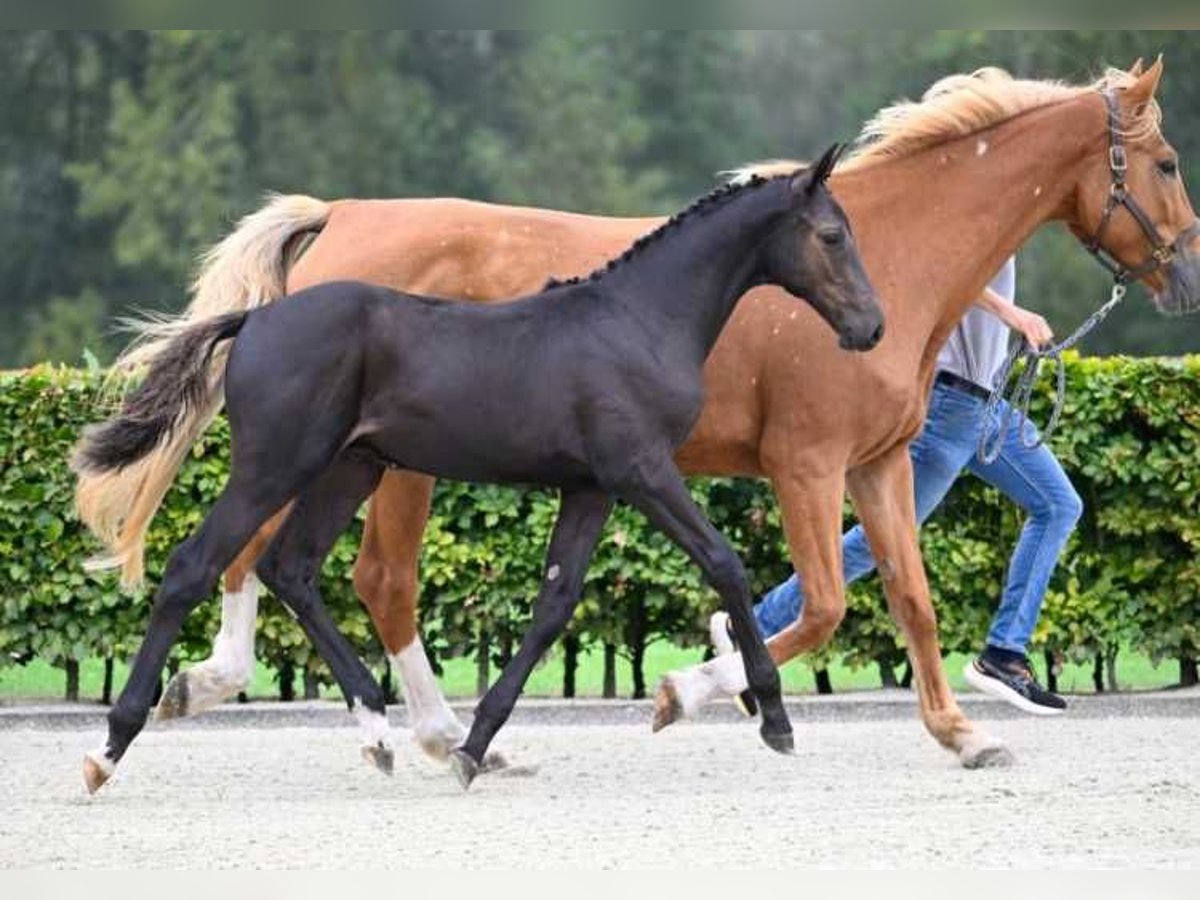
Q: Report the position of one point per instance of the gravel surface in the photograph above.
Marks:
(1117, 792)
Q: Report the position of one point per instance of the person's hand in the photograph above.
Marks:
(1032, 327)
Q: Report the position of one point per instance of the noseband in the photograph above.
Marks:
(1118, 195)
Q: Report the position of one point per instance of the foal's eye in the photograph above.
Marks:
(1169, 168)
(832, 237)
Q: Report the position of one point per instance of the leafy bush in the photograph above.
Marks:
(1130, 577)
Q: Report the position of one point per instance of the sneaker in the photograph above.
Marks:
(720, 632)
(1014, 683)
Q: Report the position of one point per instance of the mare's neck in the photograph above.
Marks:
(936, 226)
(686, 282)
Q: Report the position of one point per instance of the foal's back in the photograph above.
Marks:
(474, 392)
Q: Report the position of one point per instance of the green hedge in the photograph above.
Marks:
(1129, 579)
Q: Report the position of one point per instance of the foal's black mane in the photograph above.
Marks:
(704, 204)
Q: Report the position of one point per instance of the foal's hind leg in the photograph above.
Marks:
(190, 576)
(656, 488)
(291, 567)
(581, 518)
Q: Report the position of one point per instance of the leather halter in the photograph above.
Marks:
(1118, 195)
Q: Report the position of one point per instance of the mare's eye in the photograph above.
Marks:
(1168, 168)
(832, 237)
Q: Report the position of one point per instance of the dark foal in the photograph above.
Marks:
(591, 386)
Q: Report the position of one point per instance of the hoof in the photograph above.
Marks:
(990, 755)
(95, 774)
(668, 708)
(493, 761)
(381, 757)
(780, 742)
(465, 769)
(174, 702)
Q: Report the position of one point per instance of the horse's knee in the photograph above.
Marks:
(915, 614)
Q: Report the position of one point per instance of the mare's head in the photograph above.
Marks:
(1131, 203)
(812, 255)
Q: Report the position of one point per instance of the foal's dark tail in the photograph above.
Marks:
(166, 413)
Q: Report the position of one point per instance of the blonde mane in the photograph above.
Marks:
(957, 106)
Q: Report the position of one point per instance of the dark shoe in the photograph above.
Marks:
(720, 632)
(1013, 681)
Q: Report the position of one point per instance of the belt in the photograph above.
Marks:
(958, 383)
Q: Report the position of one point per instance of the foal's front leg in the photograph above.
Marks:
(655, 487)
(581, 518)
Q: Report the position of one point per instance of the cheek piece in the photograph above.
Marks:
(1118, 196)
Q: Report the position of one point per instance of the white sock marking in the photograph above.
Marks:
(374, 725)
(434, 724)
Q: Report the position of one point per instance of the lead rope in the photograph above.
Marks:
(992, 441)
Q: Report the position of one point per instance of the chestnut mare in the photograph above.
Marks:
(940, 193)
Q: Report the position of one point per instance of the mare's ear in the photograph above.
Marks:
(1142, 91)
(810, 179)
(1137, 68)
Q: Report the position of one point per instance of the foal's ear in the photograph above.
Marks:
(812, 178)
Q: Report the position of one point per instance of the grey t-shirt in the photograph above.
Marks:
(978, 346)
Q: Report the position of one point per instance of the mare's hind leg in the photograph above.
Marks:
(581, 518)
(385, 577)
(291, 567)
(656, 488)
(812, 523)
(230, 666)
(190, 576)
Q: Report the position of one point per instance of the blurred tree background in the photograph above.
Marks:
(123, 154)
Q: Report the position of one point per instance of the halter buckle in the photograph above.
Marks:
(1164, 253)
(1117, 160)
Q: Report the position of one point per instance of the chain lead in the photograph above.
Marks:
(991, 441)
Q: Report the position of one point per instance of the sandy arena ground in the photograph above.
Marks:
(1119, 792)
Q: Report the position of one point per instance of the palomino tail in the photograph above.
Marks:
(126, 470)
(176, 386)
(245, 270)
(157, 424)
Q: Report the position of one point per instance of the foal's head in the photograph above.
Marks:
(1154, 234)
(811, 254)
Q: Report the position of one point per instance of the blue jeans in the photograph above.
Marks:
(1031, 478)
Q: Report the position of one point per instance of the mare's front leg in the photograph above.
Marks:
(883, 495)
(654, 486)
(229, 668)
(581, 518)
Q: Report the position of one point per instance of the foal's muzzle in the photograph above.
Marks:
(862, 339)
